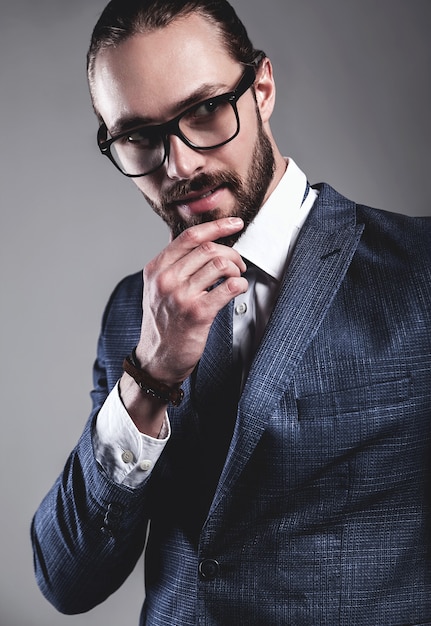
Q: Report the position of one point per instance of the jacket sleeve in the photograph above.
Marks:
(89, 532)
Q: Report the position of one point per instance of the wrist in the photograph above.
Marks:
(149, 386)
(147, 413)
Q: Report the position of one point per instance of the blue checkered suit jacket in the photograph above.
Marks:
(309, 501)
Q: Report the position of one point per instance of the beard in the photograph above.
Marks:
(249, 195)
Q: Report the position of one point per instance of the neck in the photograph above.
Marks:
(279, 170)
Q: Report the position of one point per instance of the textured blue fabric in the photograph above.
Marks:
(318, 511)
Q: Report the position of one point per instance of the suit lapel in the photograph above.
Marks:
(322, 256)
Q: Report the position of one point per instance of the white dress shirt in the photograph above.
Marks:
(267, 246)
(126, 454)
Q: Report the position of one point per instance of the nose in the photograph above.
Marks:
(182, 162)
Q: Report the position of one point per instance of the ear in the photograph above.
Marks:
(264, 87)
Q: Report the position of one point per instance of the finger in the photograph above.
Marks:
(196, 272)
(222, 294)
(199, 309)
(216, 256)
(190, 240)
(208, 231)
(206, 275)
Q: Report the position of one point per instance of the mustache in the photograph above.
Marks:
(200, 182)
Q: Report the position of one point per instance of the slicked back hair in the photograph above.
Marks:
(121, 19)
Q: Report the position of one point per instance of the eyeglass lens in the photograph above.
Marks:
(207, 125)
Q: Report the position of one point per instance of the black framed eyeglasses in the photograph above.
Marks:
(209, 124)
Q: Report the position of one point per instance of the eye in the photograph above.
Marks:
(135, 137)
(138, 137)
(207, 108)
(141, 138)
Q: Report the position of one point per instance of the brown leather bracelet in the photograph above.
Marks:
(149, 385)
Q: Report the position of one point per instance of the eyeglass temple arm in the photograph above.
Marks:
(260, 55)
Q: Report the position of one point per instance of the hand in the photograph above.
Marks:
(178, 304)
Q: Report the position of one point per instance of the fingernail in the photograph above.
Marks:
(236, 221)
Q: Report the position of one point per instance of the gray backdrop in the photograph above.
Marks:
(354, 97)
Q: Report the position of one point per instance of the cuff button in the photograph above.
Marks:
(145, 465)
(127, 456)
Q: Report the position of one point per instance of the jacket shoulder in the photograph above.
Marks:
(385, 231)
(396, 235)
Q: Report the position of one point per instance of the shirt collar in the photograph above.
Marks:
(267, 240)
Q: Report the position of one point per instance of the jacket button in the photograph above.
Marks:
(209, 569)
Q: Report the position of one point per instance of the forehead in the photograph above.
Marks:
(148, 74)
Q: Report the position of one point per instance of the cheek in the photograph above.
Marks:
(243, 145)
(235, 156)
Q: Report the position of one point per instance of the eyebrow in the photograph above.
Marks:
(205, 92)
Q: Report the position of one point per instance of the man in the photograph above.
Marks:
(268, 437)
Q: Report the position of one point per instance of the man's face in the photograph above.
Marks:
(151, 78)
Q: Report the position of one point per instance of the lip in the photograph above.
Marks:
(201, 201)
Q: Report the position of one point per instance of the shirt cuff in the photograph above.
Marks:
(126, 454)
